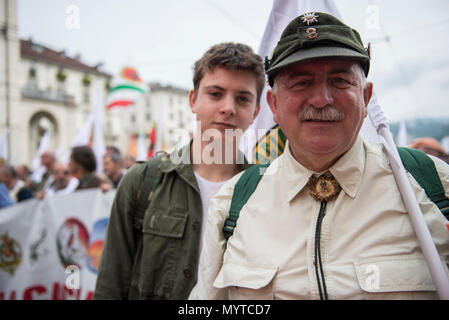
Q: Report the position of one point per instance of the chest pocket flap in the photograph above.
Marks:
(247, 282)
(165, 222)
(254, 277)
(394, 274)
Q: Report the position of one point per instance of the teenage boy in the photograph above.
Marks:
(156, 256)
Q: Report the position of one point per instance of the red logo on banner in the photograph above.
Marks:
(72, 240)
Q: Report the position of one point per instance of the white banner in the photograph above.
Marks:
(50, 249)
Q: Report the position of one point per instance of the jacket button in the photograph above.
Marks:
(187, 273)
(196, 225)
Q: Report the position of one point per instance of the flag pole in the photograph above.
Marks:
(422, 232)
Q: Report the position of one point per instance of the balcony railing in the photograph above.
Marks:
(56, 96)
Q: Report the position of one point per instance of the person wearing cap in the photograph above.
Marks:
(326, 220)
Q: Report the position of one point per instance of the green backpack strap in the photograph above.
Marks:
(243, 189)
(150, 179)
(418, 163)
(423, 169)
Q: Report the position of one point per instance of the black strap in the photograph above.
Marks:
(150, 179)
(319, 272)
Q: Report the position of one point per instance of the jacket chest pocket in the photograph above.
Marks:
(246, 282)
(169, 223)
(162, 248)
(395, 278)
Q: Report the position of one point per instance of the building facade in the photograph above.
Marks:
(164, 108)
(41, 90)
(45, 90)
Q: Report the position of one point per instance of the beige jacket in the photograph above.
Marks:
(368, 246)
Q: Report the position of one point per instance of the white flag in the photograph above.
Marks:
(160, 130)
(98, 145)
(141, 152)
(37, 168)
(4, 148)
(83, 136)
(445, 143)
(43, 145)
(81, 139)
(402, 135)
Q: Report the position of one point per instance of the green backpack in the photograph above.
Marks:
(419, 164)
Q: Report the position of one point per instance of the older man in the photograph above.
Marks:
(63, 182)
(326, 220)
(113, 165)
(48, 160)
(128, 161)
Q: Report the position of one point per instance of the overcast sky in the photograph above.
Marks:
(162, 40)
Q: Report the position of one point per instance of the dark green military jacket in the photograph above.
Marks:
(157, 258)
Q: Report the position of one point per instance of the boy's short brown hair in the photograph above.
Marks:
(85, 157)
(232, 56)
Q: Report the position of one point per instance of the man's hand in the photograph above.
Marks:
(105, 187)
(40, 195)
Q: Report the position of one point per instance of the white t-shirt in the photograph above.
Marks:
(208, 189)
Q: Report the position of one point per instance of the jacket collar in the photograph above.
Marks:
(348, 171)
(86, 179)
(177, 160)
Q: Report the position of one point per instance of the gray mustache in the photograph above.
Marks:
(329, 113)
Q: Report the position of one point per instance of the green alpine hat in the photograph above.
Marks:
(316, 35)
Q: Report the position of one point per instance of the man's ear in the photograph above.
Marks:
(367, 95)
(192, 99)
(271, 99)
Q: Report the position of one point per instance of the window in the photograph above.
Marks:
(32, 76)
(41, 123)
(86, 95)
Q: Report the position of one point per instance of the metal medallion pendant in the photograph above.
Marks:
(324, 187)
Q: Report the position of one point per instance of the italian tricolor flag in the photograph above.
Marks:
(126, 89)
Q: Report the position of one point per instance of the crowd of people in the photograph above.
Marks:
(17, 183)
(313, 224)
